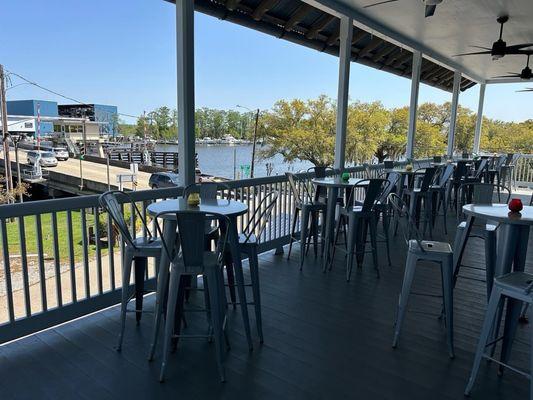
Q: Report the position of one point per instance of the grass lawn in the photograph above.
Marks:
(30, 228)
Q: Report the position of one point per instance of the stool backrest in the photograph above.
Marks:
(110, 203)
(294, 185)
(207, 190)
(445, 175)
(437, 159)
(428, 178)
(393, 178)
(261, 216)
(373, 189)
(460, 171)
(321, 172)
(387, 164)
(481, 167)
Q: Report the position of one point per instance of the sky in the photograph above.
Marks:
(123, 52)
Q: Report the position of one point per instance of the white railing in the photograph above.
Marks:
(61, 258)
(523, 171)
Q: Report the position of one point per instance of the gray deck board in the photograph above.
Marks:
(324, 339)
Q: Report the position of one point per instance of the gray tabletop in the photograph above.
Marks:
(500, 213)
(413, 171)
(230, 208)
(336, 182)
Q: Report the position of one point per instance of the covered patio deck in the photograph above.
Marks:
(324, 339)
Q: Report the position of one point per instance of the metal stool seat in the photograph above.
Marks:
(515, 286)
(425, 250)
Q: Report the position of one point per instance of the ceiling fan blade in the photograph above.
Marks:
(379, 3)
(525, 90)
(482, 48)
(472, 54)
(430, 10)
(507, 76)
(518, 46)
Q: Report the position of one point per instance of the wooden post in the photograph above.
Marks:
(254, 143)
(5, 132)
(413, 105)
(453, 116)
(345, 53)
(479, 119)
(185, 80)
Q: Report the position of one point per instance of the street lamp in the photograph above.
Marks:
(255, 138)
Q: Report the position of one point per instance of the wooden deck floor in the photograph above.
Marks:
(324, 339)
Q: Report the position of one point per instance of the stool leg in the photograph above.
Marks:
(336, 240)
(140, 264)
(409, 274)
(485, 333)
(217, 317)
(447, 285)
(126, 274)
(352, 226)
(175, 279)
(253, 260)
(303, 234)
(293, 229)
(459, 233)
(373, 242)
(490, 259)
(386, 225)
(509, 331)
(530, 353)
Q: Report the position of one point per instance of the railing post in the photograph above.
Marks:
(453, 114)
(185, 80)
(479, 120)
(345, 53)
(413, 104)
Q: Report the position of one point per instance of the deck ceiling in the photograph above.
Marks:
(455, 26)
(317, 27)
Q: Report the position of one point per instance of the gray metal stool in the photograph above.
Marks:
(515, 286)
(418, 249)
(189, 259)
(135, 249)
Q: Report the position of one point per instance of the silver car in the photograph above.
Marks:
(47, 158)
(60, 153)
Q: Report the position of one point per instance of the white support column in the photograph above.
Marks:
(479, 120)
(346, 31)
(413, 104)
(185, 78)
(453, 115)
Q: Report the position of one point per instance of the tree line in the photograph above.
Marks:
(305, 130)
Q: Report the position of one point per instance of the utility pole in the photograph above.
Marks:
(16, 140)
(253, 145)
(82, 155)
(5, 136)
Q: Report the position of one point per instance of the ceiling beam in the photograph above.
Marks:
(297, 16)
(232, 4)
(372, 45)
(430, 73)
(357, 36)
(322, 23)
(385, 51)
(407, 55)
(262, 8)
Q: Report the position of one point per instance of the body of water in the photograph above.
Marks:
(224, 160)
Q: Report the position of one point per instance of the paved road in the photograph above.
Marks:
(91, 171)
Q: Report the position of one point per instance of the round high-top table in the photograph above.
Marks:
(332, 184)
(228, 208)
(511, 254)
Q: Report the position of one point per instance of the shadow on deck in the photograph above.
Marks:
(324, 339)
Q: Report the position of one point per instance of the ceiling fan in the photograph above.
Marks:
(499, 48)
(431, 5)
(525, 74)
(526, 90)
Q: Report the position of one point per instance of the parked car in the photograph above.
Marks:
(47, 158)
(160, 180)
(61, 153)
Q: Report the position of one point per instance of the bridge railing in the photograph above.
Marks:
(61, 258)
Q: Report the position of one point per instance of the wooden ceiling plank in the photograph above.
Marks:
(322, 23)
(263, 8)
(298, 16)
(372, 45)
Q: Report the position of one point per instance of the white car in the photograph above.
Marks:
(47, 158)
(61, 153)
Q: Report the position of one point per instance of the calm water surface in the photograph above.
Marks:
(219, 160)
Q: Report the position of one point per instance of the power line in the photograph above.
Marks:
(62, 95)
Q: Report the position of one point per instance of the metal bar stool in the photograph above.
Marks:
(190, 259)
(418, 249)
(249, 242)
(515, 286)
(305, 209)
(357, 218)
(135, 249)
(420, 194)
(383, 207)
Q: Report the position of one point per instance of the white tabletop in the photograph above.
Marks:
(337, 182)
(500, 213)
(229, 208)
